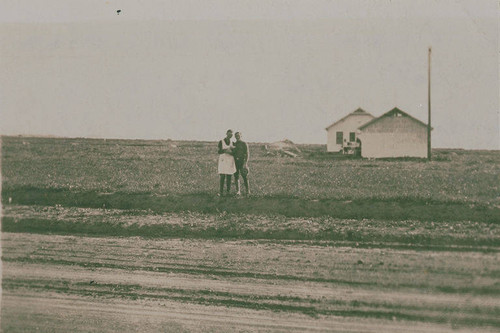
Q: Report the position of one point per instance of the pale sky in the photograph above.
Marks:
(189, 70)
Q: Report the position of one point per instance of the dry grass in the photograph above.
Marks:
(173, 168)
(449, 236)
(178, 176)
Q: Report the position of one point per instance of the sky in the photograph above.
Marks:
(191, 69)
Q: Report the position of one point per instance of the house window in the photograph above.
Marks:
(340, 138)
(352, 136)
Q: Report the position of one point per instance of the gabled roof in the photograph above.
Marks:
(357, 112)
(389, 114)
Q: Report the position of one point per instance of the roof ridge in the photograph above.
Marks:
(358, 111)
(395, 109)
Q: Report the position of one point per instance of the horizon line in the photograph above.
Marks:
(51, 136)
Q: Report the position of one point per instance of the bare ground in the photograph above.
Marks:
(63, 283)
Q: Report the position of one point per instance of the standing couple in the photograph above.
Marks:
(233, 159)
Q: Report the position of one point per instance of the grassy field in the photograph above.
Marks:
(166, 176)
(325, 242)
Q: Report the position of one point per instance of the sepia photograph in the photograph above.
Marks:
(250, 166)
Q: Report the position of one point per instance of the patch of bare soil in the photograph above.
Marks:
(67, 283)
(43, 312)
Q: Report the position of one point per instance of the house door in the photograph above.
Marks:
(340, 138)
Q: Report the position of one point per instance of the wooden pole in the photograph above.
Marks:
(429, 153)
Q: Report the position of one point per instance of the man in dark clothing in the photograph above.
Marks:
(241, 154)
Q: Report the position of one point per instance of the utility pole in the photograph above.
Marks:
(429, 154)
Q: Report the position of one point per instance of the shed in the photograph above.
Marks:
(393, 134)
(342, 133)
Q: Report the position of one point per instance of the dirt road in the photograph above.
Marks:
(65, 283)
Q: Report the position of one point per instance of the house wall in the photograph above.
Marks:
(394, 137)
(349, 124)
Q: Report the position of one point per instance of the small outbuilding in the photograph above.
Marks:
(393, 134)
(342, 134)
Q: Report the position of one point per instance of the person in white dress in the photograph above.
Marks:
(226, 167)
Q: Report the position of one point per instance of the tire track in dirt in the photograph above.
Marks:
(245, 286)
(128, 316)
(314, 307)
(447, 272)
(32, 264)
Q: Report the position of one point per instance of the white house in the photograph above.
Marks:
(342, 133)
(393, 134)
